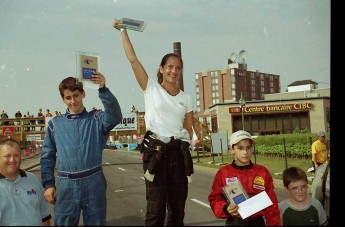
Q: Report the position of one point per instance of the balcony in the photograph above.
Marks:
(23, 129)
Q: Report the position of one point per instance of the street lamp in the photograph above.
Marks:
(133, 109)
(242, 104)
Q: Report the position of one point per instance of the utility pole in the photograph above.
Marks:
(177, 50)
(242, 105)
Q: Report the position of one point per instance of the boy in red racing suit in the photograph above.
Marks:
(254, 179)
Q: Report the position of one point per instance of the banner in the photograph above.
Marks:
(128, 122)
(8, 130)
(33, 137)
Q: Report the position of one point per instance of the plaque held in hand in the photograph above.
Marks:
(131, 24)
(234, 193)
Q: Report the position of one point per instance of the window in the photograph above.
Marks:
(255, 123)
(271, 121)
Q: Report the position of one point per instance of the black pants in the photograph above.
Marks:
(318, 163)
(166, 195)
(258, 221)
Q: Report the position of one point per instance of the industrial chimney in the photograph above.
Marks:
(177, 50)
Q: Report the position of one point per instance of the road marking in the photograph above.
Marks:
(202, 203)
(118, 190)
(121, 169)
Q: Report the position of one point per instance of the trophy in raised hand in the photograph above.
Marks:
(131, 24)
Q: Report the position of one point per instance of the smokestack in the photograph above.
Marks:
(177, 50)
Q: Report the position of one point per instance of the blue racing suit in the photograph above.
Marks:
(76, 141)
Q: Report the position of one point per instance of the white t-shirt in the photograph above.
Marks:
(164, 113)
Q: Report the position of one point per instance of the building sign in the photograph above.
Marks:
(128, 122)
(8, 130)
(33, 137)
(272, 108)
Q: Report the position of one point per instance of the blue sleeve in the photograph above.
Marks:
(48, 158)
(112, 111)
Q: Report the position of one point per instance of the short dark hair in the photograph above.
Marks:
(293, 174)
(70, 83)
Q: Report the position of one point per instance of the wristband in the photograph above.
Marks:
(122, 29)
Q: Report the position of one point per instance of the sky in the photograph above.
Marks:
(39, 40)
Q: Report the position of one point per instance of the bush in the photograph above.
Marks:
(295, 145)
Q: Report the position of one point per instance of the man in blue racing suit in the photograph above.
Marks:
(76, 140)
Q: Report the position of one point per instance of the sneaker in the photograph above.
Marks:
(311, 170)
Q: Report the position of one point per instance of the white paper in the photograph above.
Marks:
(149, 176)
(254, 204)
(189, 179)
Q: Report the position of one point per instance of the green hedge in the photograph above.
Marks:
(297, 145)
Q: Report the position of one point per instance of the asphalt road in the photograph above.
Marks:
(126, 201)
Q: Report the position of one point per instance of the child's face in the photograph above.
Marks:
(243, 150)
(74, 100)
(297, 190)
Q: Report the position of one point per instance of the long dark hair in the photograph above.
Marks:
(163, 62)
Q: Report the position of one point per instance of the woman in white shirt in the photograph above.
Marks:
(167, 160)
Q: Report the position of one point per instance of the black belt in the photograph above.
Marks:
(77, 175)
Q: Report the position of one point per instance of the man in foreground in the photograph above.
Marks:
(21, 194)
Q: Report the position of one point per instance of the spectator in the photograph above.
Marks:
(319, 150)
(254, 179)
(40, 115)
(82, 182)
(320, 188)
(299, 209)
(32, 122)
(18, 115)
(22, 202)
(26, 121)
(4, 116)
(48, 114)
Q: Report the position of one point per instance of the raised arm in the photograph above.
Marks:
(137, 67)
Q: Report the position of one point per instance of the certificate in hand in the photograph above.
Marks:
(87, 64)
(234, 193)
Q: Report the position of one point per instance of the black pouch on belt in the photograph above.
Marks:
(155, 158)
(153, 152)
(143, 144)
(187, 158)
